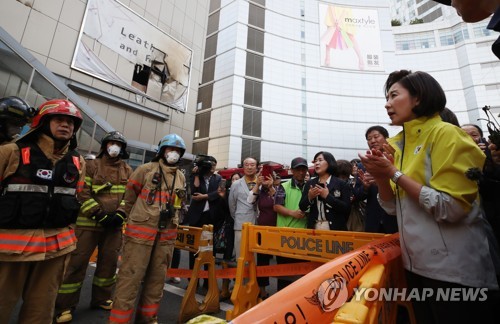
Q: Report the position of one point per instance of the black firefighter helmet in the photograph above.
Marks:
(117, 137)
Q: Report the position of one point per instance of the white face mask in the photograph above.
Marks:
(172, 157)
(114, 150)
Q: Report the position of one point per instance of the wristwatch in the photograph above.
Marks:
(396, 176)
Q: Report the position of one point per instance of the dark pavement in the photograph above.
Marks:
(169, 306)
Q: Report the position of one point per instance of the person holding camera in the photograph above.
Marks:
(489, 182)
(153, 199)
(205, 198)
(327, 197)
(98, 225)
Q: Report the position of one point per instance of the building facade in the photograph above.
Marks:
(39, 61)
(279, 81)
(428, 10)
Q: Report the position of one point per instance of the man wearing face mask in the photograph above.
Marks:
(99, 224)
(14, 114)
(153, 198)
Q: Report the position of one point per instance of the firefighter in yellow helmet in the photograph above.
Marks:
(41, 175)
(98, 225)
(152, 203)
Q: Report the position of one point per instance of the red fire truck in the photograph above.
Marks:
(283, 171)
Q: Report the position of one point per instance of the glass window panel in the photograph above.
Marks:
(200, 148)
(252, 122)
(214, 5)
(255, 65)
(202, 125)
(261, 2)
(205, 97)
(136, 156)
(253, 93)
(41, 88)
(211, 46)
(213, 23)
(255, 40)
(251, 148)
(256, 16)
(208, 71)
(15, 73)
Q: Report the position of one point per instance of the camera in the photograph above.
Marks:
(204, 163)
(493, 126)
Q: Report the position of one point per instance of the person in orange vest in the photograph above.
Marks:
(99, 225)
(153, 199)
(41, 175)
(14, 114)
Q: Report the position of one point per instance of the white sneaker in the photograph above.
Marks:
(64, 317)
(175, 280)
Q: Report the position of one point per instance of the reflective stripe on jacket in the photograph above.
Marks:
(104, 189)
(34, 244)
(143, 201)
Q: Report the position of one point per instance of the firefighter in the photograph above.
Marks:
(14, 114)
(41, 175)
(153, 200)
(98, 225)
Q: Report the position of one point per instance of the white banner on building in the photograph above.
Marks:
(122, 48)
(349, 38)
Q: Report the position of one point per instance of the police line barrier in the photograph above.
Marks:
(198, 240)
(322, 295)
(304, 244)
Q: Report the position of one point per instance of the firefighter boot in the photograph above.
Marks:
(64, 317)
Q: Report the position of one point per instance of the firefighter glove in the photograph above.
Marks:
(112, 220)
(99, 215)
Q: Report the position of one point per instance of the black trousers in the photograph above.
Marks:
(432, 311)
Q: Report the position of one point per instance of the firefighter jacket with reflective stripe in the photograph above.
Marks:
(104, 189)
(144, 198)
(35, 244)
(40, 194)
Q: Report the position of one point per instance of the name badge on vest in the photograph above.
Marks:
(44, 174)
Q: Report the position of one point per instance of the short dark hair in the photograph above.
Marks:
(344, 168)
(377, 128)
(332, 164)
(355, 161)
(449, 116)
(477, 127)
(422, 86)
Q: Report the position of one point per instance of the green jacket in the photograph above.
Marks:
(292, 199)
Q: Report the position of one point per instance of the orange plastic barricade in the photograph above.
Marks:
(198, 240)
(305, 244)
(317, 297)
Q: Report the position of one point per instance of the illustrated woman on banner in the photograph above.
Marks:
(339, 34)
